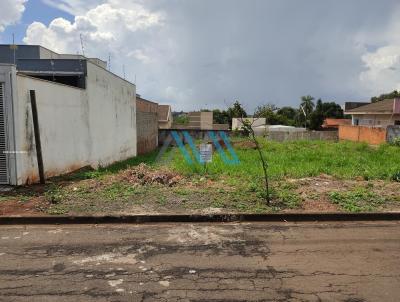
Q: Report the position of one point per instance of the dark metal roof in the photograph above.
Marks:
(385, 106)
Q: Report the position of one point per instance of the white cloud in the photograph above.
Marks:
(10, 12)
(140, 55)
(192, 53)
(382, 65)
(104, 29)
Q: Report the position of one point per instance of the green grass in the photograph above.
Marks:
(346, 160)
(357, 200)
(119, 191)
(149, 159)
(237, 187)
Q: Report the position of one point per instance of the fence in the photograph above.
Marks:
(370, 135)
(282, 136)
(393, 132)
(195, 134)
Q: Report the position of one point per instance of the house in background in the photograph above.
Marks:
(374, 123)
(334, 123)
(165, 118)
(255, 122)
(200, 120)
(147, 125)
(86, 114)
(380, 114)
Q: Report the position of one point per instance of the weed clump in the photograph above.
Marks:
(357, 200)
(396, 176)
(143, 174)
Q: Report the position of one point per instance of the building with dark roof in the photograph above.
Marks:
(380, 114)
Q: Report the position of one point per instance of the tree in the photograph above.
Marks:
(182, 119)
(317, 117)
(220, 116)
(269, 113)
(306, 108)
(248, 128)
(307, 104)
(323, 111)
(287, 112)
(385, 96)
(287, 116)
(333, 110)
(236, 110)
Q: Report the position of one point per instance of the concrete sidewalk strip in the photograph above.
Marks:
(188, 218)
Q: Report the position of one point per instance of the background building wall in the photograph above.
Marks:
(201, 120)
(94, 126)
(146, 106)
(282, 136)
(256, 122)
(147, 131)
(375, 120)
(147, 125)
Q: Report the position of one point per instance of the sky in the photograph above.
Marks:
(205, 54)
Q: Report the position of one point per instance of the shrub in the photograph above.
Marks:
(396, 176)
(395, 142)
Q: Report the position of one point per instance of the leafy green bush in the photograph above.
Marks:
(54, 194)
(396, 176)
(395, 142)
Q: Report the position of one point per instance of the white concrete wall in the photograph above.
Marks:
(256, 122)
(78, 127)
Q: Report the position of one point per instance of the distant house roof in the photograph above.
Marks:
(381, 107)
(335, 122)
(164, 112)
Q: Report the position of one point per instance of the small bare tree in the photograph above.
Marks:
(247, 127)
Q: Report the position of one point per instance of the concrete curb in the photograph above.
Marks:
(185, 218)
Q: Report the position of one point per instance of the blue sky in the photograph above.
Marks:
(35, 10)
(198, 53)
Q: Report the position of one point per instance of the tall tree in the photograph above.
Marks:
(323, 111)
(306, 108)
(268, 112)
(236, 110)
(220, 116)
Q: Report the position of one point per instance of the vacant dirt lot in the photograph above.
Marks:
(306, 176)
(144, 190)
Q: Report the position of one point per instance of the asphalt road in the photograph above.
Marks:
(204, 262)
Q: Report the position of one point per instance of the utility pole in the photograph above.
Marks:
(83, 49)
(14, 48)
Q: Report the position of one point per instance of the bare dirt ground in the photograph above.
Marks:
(145, 190)
(315, 191)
